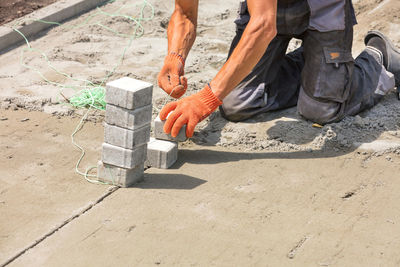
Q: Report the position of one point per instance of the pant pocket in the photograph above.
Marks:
(334, 76)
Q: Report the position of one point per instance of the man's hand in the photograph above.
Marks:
(189, 110)
(171, 78)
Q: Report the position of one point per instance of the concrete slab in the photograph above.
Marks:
(160, 134)
(38, 194)
(126, 138)
(119, 176)
(161, 154)
(129, 93)
(228, 208)
(57, 12)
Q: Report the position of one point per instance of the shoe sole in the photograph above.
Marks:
(388, 44)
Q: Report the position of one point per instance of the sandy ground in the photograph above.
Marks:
(9, 10)
(271, 191)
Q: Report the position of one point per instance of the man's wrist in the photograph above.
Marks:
(177, 56)
(216, 90)
(209, 98)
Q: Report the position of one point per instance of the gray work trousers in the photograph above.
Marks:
(321, 77)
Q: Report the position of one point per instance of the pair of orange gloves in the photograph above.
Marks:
(188, 110)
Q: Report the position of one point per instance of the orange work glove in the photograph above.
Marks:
(189, 110)
(171, 78)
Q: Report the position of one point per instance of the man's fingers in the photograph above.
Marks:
(179, 123)
(183, 81)
(173, 84)
(178, 91)
(175, 79)
(163, 83)
(167, 109)
(171, 120)
(190, 127)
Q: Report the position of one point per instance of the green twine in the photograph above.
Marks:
(89, 95)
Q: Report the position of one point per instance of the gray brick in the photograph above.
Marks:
(129, 93)
(160, 134)
(119, 176)
(161, 154)
(129, 119)
(126, 138)
(122, 157)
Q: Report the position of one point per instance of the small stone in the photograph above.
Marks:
(164, 23)
(358, 121)
(5, 105)
(13, 106)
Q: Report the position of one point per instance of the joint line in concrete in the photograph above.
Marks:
(61, 225)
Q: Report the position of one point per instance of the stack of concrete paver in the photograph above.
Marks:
(127, 146)
(126, 131)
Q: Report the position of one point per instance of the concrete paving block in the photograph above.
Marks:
(160, 134)
(161, 154)
(126, 138)
(119, 176)
(129, 93)
(122, 157)
(129, 119)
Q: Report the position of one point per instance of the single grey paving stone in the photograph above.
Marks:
(126, 118)
(126, 138)
(161, 154)
(119, 176)
(129, 93)
(123, 157)
(160, 134)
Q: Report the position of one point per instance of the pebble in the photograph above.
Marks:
(13, 107)
(358, 121)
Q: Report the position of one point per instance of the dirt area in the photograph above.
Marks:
(10, 10)
(270, 191)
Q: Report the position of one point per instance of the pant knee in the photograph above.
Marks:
(231, 114)
(319, 111)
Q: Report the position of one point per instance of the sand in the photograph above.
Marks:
(272, 190)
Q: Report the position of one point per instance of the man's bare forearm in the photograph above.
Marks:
(182, 27)
(259, 32)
